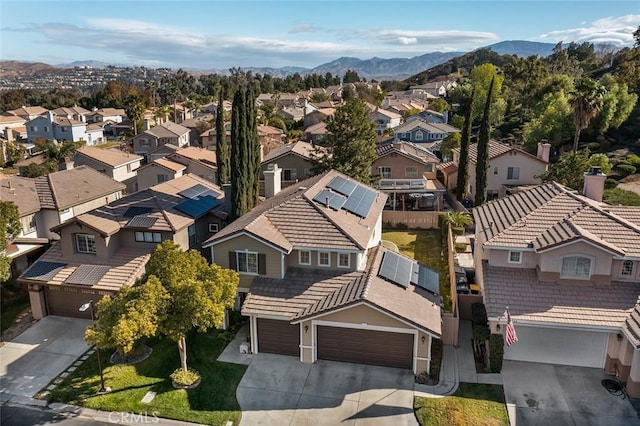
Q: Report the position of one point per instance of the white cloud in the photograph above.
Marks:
(454, 38)
(408, 40)
(304, 28)
(615, 30)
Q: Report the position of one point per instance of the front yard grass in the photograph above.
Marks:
(472, 404)
(213, 402)
(425, 246)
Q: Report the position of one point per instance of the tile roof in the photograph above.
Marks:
(11, 119)
(168, 164)
(278, 220)
(68, 188)
(110, 157)
(160, 200)
(448, 167)
(168, 129)
(408, 149)
(70, 111)
(532, 300)
(429, 127)
(300, 148)
(197, 154)
(125, 266)
(64, 121)
(632, 214)
(28, 110)
(108, 111)
(269, 130)
(305, 293)
(22, 191)
(496, 149)
(386, 113)
(632, 326)
(318, 128)
(549, 215)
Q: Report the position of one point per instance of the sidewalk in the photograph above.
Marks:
(458, 365)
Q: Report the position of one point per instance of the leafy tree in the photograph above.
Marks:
(162, 113)
(10, 227)
(450, 142)
(465, 141)
(223, 151)
(482, 160)
(350, 142)
(319, 97)
(34, 170)
(551, 121)
(198, 292)
(480, 79)
(439, 105)
(571, 167)
(135, 111)
(586, 103)
(636, 37)
(351, 77)
(617, 104)
(130, 315)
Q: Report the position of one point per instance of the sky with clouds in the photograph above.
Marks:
(222, 34)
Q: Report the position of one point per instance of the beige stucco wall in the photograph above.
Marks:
(220, 253)
(616, 270)
(362, 314)
(148, 176)
(196, 168)
(551, 260)
(290, 161)
(94, 204)
(68, 246)
(500, 258)
(292, 260)
(398, 163)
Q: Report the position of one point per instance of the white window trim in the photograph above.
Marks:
(140, 237)
(631, 272)
(513, 169)
(86, 237)
(247, 252)
(328, 253)
(382, 174)
(300, 262)
(514, 261)
(348, 265)
(574, 277)
(412, 174)
(214, 227)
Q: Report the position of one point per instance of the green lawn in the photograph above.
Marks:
(472, 404)
(622, 197)
(10, 312)
(213, 402)
(425, 246)
(14, 299)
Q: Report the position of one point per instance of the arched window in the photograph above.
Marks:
(627, 268)
(419, 135)
(576, 267)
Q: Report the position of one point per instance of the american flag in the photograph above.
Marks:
(511, 336)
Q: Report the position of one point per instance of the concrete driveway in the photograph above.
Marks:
(546, 394)
(34, 358)
(280, 390)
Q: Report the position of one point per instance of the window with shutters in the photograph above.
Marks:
(247, 262)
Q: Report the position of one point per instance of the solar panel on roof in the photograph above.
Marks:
(198, 207)
(87, 274)
(396, 268)
(198, 190)
(333, 200)
(342, 185)
(426, 278)
(136, 211)
(142, 221)
(43, 271)
(360, 201)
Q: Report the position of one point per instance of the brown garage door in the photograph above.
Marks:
(365, 346)
(66, 301)
(278, 337)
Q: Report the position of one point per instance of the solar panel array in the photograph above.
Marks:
(198, 190)
(348, 195)
(137, 211)
(197, 207)
(332, 199)
(397, 269)
(87, 274)
(142, 221)
(43, 271)
(426, 278)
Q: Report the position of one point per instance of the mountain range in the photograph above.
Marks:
(373, 68)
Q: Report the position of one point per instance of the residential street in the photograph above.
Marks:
(23, 416)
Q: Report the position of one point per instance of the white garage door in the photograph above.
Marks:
(558, 346)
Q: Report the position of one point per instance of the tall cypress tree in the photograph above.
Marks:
(482, 162)
(253, 149)
(463, 161)
(223, 150)
(238, 155)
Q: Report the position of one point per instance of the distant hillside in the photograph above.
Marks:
(522, 48)
(16, 68)
(380, 68)
(89, 64)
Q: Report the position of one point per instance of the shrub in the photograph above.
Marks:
(593, 146)
(436, 359)
(402, 226)
(625, 169)
(496, 352)
(185, 378)
(458, 230)
(610, 183)
(479, 314)
(634, 160)
(480, 332)
(461, 247)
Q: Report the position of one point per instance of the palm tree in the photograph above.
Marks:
(135, 111)
(587, 102)
(162, 113)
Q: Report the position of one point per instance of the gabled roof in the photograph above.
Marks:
(108, 111)
(68, 188)
(269, 130)
(165, 163)
(28, 110)
(448, 167)
(300, 148)
(408, 149)
(167, 130)
(109, 157)
(158, 203)
(64, 121)
(550, 215)
(427, 127)
(22, 191)
(305, 293)
(76, 110)
(11, 119)
(386, 113)
(293, 219)
(195, 153)
(496, 149)
(317, 129)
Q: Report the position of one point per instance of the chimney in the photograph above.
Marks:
(272, 180)
(226, 187)
(544, 148)
(594, 183)
(65, 163)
